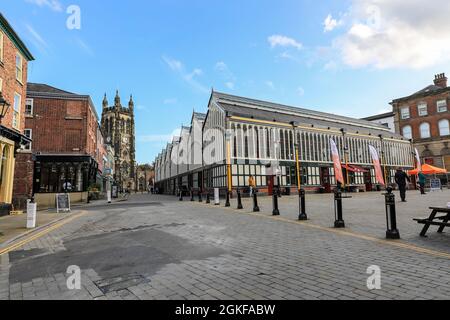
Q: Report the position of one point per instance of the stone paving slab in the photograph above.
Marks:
(254, 256)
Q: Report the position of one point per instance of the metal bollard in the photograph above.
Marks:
(255, 201)
(302, 206)
(208, 198)
(391, 215)
(200, 196)
(276, 211)
(181, 195)
(227, 202)
(192, 195)
(339, 223)
(239, 198)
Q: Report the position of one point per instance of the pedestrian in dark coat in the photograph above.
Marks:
(401, 178)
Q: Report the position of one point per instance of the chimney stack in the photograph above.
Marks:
(440, 80)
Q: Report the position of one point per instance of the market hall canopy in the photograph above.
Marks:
(428, 169)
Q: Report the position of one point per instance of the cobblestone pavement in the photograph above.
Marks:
(154, 247)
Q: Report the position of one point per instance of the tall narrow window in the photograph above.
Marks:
(407, 132)
(16, 111)
(29, 134)
(425, 130)
(1, 46)
(257, 142)
(444, 129)
(29, 107)
(441, 106)
(19, 67)
(405, 113)
(246, 148)
(422, 109)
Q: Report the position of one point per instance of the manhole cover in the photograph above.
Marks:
(120, 283)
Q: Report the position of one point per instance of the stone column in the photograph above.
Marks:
(79, 179)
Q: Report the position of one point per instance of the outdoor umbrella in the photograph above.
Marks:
(428, 169)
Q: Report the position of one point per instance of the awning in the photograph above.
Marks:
(353, 168)
(428, 169)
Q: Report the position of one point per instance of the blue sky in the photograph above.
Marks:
(348, 57)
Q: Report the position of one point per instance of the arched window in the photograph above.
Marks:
(407, 132)
(444, 128)
(425, 130)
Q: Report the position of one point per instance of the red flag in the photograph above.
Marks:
(377, 165)
(337, 162)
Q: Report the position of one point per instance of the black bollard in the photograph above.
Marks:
(192, 195)
(181, 195)
(276, 211)
(200, 196)
(391, 216)
(339, 223)
(208, 198)
(255, 201)
(302, 205)
(239, 198)
(227, 202)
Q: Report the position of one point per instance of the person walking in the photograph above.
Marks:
(401, 178)
(422, 181)
(251, 184)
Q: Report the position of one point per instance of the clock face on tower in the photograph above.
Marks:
(108, 140)
(125, 140)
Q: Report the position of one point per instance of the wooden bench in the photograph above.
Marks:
(433, 220)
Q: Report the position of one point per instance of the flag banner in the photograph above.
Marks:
(377, 165)
(337, 162)
(419, 163)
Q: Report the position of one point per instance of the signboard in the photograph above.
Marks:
(436, 185)
(31, 215)
(216, 196)
(114, 192)
(62, 202)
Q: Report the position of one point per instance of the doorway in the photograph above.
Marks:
(325, 179)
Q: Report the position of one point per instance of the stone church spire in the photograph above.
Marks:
(131, 103)
(117, 100)
(105, 102)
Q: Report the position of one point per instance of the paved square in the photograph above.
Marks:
(154, 247)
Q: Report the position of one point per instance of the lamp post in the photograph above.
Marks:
(4, 107)
(301, 192)
(278, 169)
(229, 179)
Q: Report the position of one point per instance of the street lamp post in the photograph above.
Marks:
(229, 179)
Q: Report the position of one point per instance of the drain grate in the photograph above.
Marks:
(120, 283)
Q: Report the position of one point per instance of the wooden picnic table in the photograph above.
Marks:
(433, 220)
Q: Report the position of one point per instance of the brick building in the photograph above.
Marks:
(424, 117)
(14, 58)
(64, 128)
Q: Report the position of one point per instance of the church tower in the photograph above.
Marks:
(119, 131)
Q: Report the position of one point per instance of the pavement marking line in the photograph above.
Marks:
(341, 232)
(41, 233)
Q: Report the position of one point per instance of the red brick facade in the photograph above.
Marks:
(434, 149)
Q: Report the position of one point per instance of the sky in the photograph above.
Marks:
(348, 57)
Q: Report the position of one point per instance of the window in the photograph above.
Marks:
(444, 128)
(19, 67)
(407, 132)
(29, 107)
(1, 46)
(405, 113)
(425, 130)
(29, 134)
(16, 114)
(422, 109)
(442, 106)
(1, 84)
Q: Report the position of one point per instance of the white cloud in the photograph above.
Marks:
(37, 39)
(229, 85)
(190, 78)
(283, 41)
(300, 91)
(330, 23)
(54, 5)
(330, 66)
(396, 34)
(170, 101)
(270, 84)
(225, 72)
(160, 137)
